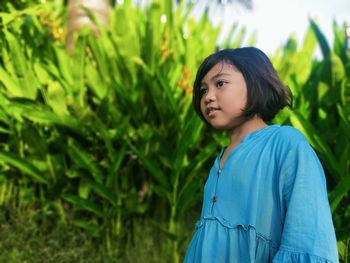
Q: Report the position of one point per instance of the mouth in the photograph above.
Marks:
(210, 112)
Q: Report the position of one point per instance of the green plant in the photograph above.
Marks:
(77, 132)
(106, 135)
(322, 110)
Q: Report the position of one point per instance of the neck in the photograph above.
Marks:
(238, 133)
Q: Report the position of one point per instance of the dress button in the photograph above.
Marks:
(214, 199)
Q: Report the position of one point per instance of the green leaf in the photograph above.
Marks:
(194, 169)
(237, 42)
(155, 171)
(316, 141)
(309, 43)
(338, 70)
(139, 61)
(15, 15)
(39, 113)
(115, 166)
(189, 136)
(345, 91)
(92, 229)
(164, 83)
(84, 188)
(78, 70)
(321, 39)
(345, 119)
(339, 42)
(63, 64)
(84, 204)
(3, 116)
(252, 39)
(24, 166)
(303, 66)
(169, 234)
(26, 78)
(162, 192)
(95, 83)
(339, 192)
(228, 40)
(42, 75)
(105, 193)
(11, 84)
(2, 130)
(189, 197)
(56, 98)
(83, 159)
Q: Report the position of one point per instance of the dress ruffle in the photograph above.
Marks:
(286, 256)
(241, 241)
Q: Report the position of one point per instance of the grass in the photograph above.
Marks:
(25, 239)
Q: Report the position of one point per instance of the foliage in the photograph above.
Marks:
(106, 135)
(322, 112)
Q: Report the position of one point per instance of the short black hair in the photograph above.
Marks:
(267, 94)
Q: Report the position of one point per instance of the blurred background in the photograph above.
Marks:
(102, 158)
(274, 21)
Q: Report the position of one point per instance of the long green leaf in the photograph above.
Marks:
(26, 78)
(82, 158)
(84, 204)
(193, 171)
(326, 51)
(24, 166)
(40, 114)
(339, 192)
(105, 193)
(156, 172)
(115, 166)
(344, 119)
(306, 128)
(187, 139)
(11, 84)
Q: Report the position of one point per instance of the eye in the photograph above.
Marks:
(220, 83)
(202, 91)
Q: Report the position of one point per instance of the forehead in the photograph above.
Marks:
(220, 69)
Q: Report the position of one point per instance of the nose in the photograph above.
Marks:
(209, 97)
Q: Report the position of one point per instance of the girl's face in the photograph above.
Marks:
(224, 96)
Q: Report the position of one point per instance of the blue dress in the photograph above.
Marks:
(267, 204)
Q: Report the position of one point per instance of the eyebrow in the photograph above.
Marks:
(220, 74)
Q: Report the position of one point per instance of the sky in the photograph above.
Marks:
(276, 20)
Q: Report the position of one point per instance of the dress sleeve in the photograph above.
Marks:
(308, 233)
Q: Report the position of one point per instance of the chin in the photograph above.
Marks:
(224, 126)
(219, 126)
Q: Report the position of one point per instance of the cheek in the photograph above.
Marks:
(202, 107)
(245, 98)
(233, 102)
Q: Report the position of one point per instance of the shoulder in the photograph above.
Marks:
(288, 135)
(288, 140)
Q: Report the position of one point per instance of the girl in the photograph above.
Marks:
(265, 199)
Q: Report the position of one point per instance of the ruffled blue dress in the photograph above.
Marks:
(268, 203)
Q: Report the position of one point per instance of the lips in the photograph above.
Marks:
(210, 111)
